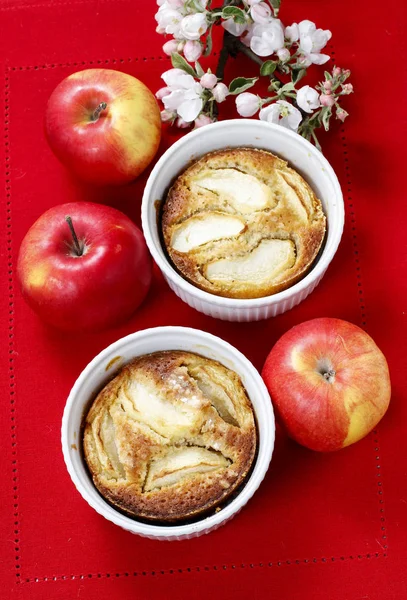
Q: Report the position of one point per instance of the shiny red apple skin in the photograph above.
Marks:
(117, 146)
(95, 291)
(327, 412)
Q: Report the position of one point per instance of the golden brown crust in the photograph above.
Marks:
(171, 437)
(289, 214)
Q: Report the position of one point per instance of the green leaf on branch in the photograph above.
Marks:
(288, 87)
(326, 115)
(208, 48)
(199, 70)
(235, 13)
(268, 67)
(241, 84)
(328, 76)
(178, 62)
(275, 5)
(297, 74)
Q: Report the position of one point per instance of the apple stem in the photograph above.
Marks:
(78, 246)
(98, 110)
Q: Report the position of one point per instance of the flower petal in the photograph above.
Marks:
(173, 100)
(177, 78)
(318, 59)
(190, 109)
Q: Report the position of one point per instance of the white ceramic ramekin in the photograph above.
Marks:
(101, 369)
(300, 154)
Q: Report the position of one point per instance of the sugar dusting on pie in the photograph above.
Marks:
(171, 437)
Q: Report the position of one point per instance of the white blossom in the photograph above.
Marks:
(268, 38)
(283, 113)
(169, 19)
(220, 91)
(193, 26)
(186, 94)
(308, 98)
(312, 40)
(247, 104)
(260, 13)
(292, 33)
(192, 50)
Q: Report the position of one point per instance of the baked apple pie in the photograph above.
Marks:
(171, 437)
(240, 223)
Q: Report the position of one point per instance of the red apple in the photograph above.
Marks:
(329, 383)
(103, 125)
(84, 266)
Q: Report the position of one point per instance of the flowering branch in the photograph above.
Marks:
(283, 54)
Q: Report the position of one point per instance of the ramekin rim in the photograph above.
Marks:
(207, 523)
(163, 263)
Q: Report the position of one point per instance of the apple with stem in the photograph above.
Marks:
(84, 266)
(329, 383)
(103, 125)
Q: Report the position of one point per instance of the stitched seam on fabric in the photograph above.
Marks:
(83, 63)
(55, 4)
(380, 495)
(362, 307)
(279, 563)
(355, 243)
(11, 351)
(12, 384)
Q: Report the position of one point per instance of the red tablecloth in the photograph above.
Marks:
(321, 526)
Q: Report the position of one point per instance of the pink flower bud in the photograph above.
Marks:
(346, 73)
(162, 92)
(181, 123)
(260, 13)
(167, 116)
(326, 100)
(247, 104)
(220, 91)
(347, 88)
(170, 47)
(203, 120)
(160, 30)
(341, 114)
(336, 71)
(192, 50)
(208, 81)
(283, 54)
(328, 86)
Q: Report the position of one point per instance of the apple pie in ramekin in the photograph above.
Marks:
(240, 223)
(171, 437)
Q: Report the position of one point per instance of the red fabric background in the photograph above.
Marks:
(321, 526)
